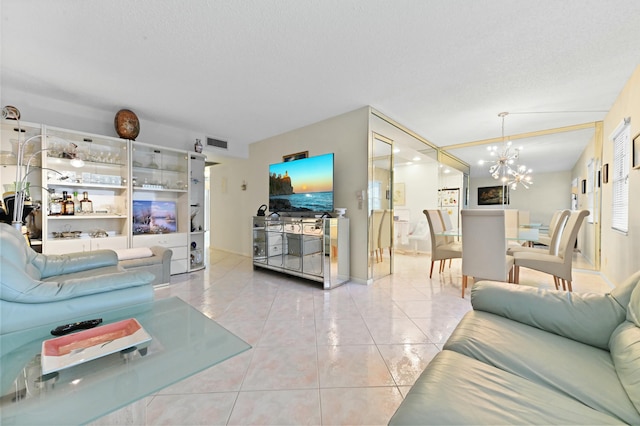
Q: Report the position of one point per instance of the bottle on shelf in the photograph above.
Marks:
(86, 205)
(76, 202)
(69, 206)
(55, 205)
(63, 203)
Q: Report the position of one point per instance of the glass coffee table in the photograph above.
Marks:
(183, 342)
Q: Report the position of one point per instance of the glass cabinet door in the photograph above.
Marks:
(313, 239)
(259, 240)
(158, 169)
(294, 249)
(159, 180)
(275, 243)
(93, 171)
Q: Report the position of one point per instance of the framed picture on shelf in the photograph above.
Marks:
(490, 195)
(154, 217)
(296, 156)
(636, 152)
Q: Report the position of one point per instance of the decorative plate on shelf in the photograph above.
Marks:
(73, 349)
(127, 124)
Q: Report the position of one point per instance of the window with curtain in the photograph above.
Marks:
(621, 157)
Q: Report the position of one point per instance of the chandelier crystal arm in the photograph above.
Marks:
(504, 166)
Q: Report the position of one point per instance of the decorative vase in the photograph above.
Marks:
(127, 124)
(198, 146)
(341, 211)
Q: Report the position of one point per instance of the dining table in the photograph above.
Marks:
(530, 235)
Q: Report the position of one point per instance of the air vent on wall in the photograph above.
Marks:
(217, 143)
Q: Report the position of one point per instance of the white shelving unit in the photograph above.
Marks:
(122, 178)
(160, 201)
(104, 176)
(197, 255)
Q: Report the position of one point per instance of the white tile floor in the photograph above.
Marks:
(344, 356)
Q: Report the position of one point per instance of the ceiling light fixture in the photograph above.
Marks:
(504, 166)
(522, 176)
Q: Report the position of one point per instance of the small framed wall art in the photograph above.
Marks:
(399, 194)
(488, 195)
(296, 156)
(636, 152)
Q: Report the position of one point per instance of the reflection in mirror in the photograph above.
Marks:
(560, 161)
(417, 178)
(380, 207)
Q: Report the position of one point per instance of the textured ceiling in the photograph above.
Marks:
(246, 70)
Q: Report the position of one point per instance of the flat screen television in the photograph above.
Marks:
(154, 217)
(302, 186)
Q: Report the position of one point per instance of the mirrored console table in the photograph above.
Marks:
(313, 248)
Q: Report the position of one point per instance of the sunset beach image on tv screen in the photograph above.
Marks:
(302, 185)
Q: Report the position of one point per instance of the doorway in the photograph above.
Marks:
(380, 207)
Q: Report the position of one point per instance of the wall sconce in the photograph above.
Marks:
(244, 185)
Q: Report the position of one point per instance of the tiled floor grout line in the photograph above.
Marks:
(391, 296)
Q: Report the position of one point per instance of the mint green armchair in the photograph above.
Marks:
(37, 289)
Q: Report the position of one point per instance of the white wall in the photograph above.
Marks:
(620, 256)
(421, 192)
(75, 116)
(230, 206)
(549, 192)
(587, 233)
(345, 135)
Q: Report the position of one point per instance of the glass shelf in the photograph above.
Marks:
(142, 188)
(84, 185)
(152, 169)
(87, 216)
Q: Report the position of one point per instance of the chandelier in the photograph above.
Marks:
(521, 175)
(504, 165)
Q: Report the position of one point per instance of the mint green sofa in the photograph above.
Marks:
(37, 289)
(531, 356)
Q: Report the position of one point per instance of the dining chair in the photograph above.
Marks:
(384, 233)
(419, 233)
(376, 222)
(558, 265)
(441, 249)
(446, 220)
(524, 217)
(554, 240)
(511, 223)
(447, 226)
(484, 246)
(546, 238)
